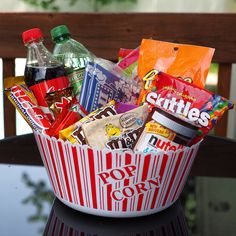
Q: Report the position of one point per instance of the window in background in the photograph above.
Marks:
(212, 77)
(21, 125)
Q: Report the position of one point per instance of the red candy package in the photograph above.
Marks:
(59, 99)
(130, 61)
(69, 115)
(185, 100)
(24, 101)
(64, 119)
(123, 52)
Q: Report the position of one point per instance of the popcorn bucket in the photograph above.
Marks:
(114, 183)
(65, 222)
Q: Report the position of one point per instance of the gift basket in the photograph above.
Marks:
(116, 139)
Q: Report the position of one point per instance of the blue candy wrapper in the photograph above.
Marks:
(86, 83)
(101, 85)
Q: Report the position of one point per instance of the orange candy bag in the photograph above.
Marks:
(188, 62)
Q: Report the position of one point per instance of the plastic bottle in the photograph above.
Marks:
(72, 54)
(43, 73)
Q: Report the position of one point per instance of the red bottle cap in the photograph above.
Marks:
(31, 35)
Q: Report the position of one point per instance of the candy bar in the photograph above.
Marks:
(59, 99)
(24, 101)
(65, 119)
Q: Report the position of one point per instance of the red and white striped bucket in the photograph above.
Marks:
(114, 183)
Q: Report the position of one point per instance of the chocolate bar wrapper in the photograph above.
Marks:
(58, 100)
(24, 101)
(76, 107)
(64, 119)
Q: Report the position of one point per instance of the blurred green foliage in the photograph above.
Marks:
(53, 5)
(214, 68)
(39, 196)
(189, 202)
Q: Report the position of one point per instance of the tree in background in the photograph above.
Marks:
(53, 5)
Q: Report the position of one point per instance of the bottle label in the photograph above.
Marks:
(76, 80)
(48, 86)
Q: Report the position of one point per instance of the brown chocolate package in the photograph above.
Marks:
(116, 132)
(74, 133)
(59, 99)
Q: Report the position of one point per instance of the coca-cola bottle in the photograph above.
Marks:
(43, 72)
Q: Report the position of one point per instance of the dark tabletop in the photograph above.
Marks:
(28, 207)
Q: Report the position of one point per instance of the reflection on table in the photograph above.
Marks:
(64, 221)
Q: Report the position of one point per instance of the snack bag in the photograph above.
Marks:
(123, 52)
(24, 101)
(74, 132)
(188, 62)
(67, 117)
(124, 107)
(185, 100)
(58, 100)
(129, 62)
(106, 85)
(116, 132)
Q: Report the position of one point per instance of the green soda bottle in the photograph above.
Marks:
(72, 54)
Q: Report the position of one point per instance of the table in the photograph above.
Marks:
(28, 207)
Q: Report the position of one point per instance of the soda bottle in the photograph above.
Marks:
(72, 54)
(43, 73)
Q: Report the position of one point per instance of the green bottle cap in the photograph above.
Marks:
(59, 31)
